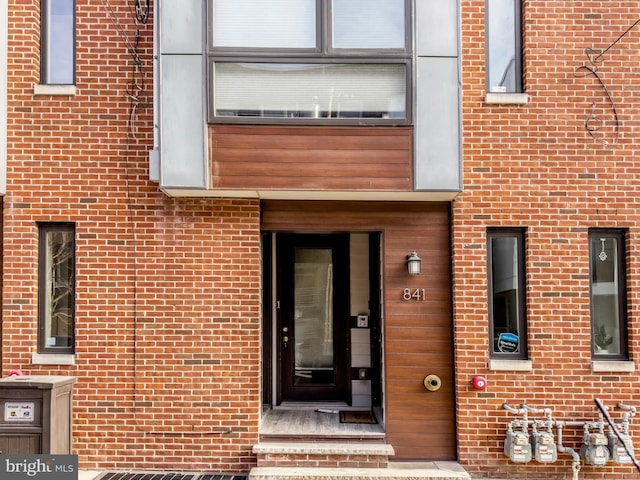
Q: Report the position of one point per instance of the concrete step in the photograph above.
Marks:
(396, 471)
(323, 454)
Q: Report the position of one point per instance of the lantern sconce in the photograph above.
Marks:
(413, 263)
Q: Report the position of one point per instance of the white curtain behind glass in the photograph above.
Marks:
(334, 88)
(313, 309)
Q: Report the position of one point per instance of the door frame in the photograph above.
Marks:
(271, 397)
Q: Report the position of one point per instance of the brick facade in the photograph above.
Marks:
(168, 290)
(535, 166)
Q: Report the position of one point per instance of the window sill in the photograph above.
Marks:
(53, 359)
(62, 90)
(506, 98)
(612, 366)
(511, 365)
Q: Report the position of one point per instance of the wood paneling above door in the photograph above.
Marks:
(311, 158)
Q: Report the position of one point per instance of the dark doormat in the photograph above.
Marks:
(357, 417)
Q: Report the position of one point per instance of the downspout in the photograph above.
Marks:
(154, 154)
(4, 32)
(4, 62)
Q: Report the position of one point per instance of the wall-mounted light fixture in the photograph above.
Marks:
(413, 263)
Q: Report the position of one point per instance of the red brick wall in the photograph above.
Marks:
(167, 290)
(535, 166)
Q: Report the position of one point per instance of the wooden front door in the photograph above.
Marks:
(313, 299)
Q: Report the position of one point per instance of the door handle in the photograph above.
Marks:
(285, 341)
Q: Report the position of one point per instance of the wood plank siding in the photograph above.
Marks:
(418, 334)
(310, 158)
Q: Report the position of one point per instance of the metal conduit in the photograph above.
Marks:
(549, 422)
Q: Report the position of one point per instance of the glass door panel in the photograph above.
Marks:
(314, 359)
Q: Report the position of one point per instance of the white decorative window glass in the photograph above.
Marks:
(260, 24)
(58, 42)
(56, 295)
(608, 300)
(507, 303)
(368, 23)
(309, 61)
(310, 90)
(503, 38)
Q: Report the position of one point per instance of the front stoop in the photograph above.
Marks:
(438, 471)
(338, 461)
(323, 454)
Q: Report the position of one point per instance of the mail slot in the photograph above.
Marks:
(35, 415)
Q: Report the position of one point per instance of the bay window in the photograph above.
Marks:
(314, 61)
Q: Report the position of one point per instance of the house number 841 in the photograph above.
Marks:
(417, 294)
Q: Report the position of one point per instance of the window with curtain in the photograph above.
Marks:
(331, 61)
(608, 294)
(504, 46)
(56, 288)
(57, 42)
(507, 301)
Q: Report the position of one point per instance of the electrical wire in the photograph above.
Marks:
(141, 12)
(593, 123)
(599, 55)
(121, 31)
